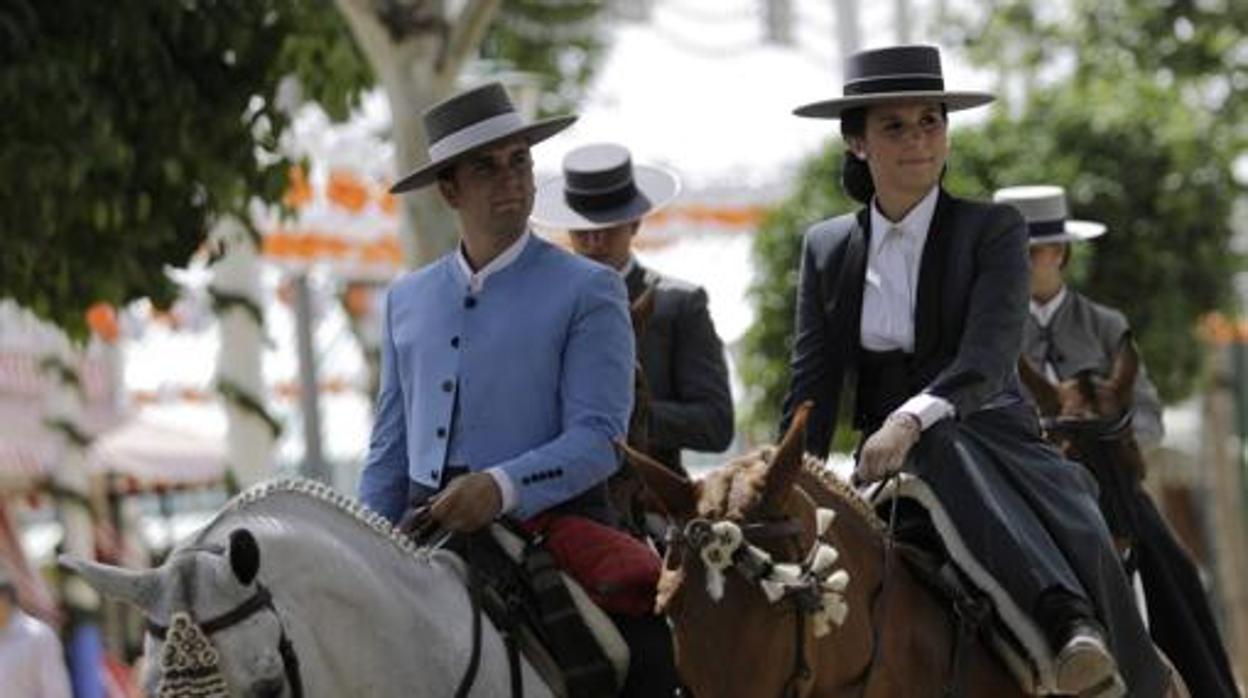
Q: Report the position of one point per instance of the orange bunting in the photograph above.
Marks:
(358, 300)
(314, 245)
(347, 191)
(102, 319)
(299, 192)
(389, 203)
(1219, 330)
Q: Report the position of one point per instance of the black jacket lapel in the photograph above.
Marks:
(928, 309)
(637, 280)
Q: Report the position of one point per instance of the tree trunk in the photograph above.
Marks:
(848, 29)
(902, 18)
(418, 59)
(250, 436)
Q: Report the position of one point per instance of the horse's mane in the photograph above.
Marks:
(841, 490)
(352, 508)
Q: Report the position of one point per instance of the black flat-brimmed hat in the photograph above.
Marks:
(601, 187)
(893, 74)
(470, 120)
(1048, 219)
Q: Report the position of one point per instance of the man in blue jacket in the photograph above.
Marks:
(507, 365)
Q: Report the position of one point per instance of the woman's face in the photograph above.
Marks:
(905, 145)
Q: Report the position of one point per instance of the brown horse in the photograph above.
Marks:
(769, 595)
(1088, 417)
(627, 493)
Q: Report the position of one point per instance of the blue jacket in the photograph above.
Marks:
(542, 360)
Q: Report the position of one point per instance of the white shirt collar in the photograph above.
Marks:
(476, 280)
(914, 225)
(628, 267)
(1044, 312)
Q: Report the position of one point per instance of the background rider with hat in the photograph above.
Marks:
(600, 199)
(1067, 333)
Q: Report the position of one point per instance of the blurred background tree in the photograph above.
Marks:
(127, 129)
(130, 128)
(1136, 107)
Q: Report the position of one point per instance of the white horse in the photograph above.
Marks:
(294, 590)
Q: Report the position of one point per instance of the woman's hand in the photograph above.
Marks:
(885, 451)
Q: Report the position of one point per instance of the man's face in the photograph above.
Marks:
(905, 146)
(1047, 261)
(610, 246)
(492, 189)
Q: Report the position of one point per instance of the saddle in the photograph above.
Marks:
(541, 612)
(933, 549)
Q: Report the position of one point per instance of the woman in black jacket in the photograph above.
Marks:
(921, 298)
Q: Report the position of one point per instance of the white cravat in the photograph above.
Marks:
(1044, 312)
(890, 293)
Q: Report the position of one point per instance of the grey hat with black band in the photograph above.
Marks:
(1048, 218)
(471, 120)
(601, 187)
(896, 73)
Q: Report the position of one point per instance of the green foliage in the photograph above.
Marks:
(1128, 130)
(1157, 173)
(128, 126)
(777, 256)
(560, 41)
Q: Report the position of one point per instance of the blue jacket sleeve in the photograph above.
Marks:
(596, 397)
(384, 482)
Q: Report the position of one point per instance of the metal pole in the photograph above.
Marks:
(847, 28)
(314, 465)
(778, 15)
(901, 17)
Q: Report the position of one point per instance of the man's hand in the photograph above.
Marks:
(885, 451)
(469, 503)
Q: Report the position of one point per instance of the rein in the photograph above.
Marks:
(262, 600)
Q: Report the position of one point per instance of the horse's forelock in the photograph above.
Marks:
(736, 489)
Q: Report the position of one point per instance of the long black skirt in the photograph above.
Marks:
(1031, 518)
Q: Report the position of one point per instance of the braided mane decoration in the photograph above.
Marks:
(189, 664)
(815, 468)
(322, 492)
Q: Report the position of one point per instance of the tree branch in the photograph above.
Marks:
(466, 34)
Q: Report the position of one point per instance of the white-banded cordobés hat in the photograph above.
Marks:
(1048, 218)
(601, 187)
(470, 120)
(892, 74)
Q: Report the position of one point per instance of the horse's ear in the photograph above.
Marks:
(244, 556)
(674, 493)
(787, 461)
(1042, 389)
(1122, 374)
(641, 310)
(140, 588)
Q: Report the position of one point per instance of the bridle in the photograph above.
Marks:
(1087, 429)
(262, 600)
(814, 586)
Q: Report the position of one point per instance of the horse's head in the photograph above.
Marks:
(212, 627)
(1089, 409)
(747, 578)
